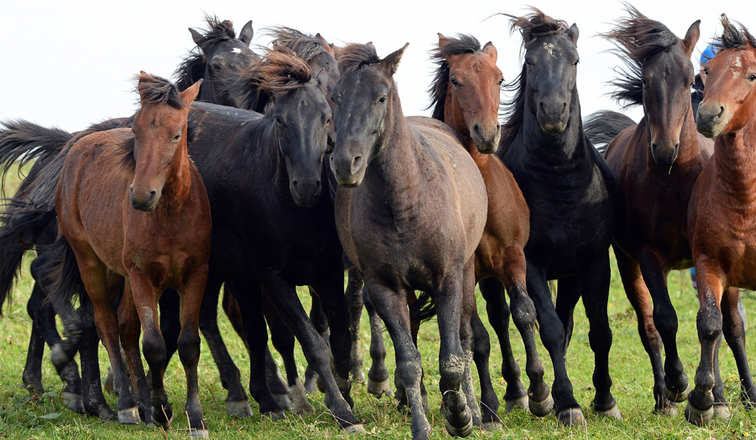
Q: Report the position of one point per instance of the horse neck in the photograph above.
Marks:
(734, 162)
(455, 118)
(394, 170)
(560, 152)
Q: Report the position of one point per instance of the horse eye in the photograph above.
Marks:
(706, 70)
(177, 137)
(280, 121)
(752, 77)
(577, 61)
(501, 81)
(454, 82)
(382, 99)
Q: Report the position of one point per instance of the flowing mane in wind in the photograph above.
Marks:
(192, 68)
(356, 55)
(636, 38)
(732, 37)
(462, 44)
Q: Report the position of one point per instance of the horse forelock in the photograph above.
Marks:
(460, 45)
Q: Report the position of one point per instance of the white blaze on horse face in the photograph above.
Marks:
(236, 50)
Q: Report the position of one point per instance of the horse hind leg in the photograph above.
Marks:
(283, 341)
(94, 400)
(734, 333)
(32, 375)
(378, 375)
(498, 316)
(318, 319)
(639, 297)
(356, 303)
(481, 352)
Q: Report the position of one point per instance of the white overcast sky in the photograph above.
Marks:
(69, 63)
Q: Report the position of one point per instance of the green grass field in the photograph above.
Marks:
(45, 417)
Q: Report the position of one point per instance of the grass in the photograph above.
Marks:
(45, 417)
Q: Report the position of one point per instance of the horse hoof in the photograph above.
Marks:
(492, 426)
(199, 433)
(58, 356)
(542, 408)
(355, 429)
(33, 384)
(571, 417)
(274, 415)
(129, 416)
(612, 412)
(697, 416)
(238, 409)
(163, 415)
(298, 397)
(521, 402)
(667, 411)
(677, 396)
(104, 413)
(73, 401)
(459, 432)
(282, 400)
(722, 412)
(379, 388)
(358, 376)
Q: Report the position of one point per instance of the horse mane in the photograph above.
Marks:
(356, 55)
(732, 37)
(192, 68)
(278, 71)
(637, 38)
(463, 43)
(303, 45)
(153, 89)
(531, 26)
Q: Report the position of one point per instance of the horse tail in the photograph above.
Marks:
(423, 309)
(603, 126)
(22, 142)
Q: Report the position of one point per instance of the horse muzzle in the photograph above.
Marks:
(486, 140)
(349, 170)
(665, 153)
(144, 200)
(305, 192)
(711, 119)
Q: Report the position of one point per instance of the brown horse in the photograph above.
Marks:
(466, 94)
(721, 217)
(132, 206)
(656, 163)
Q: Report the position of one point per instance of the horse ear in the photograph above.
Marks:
(391, 62)
(490, 50)
(573, 33)
(691, 37)
(323, 42)
(190, 94)
(246, 34)
(196, 36)
(442, 40)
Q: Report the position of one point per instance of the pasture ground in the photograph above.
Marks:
(45, 417)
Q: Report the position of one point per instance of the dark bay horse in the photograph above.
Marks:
(465, 96)
(218, 50)
(403, 183)
(570, 191)
(149, 222)
(721, 215)
(656, 163)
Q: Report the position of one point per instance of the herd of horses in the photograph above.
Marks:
(260, 172)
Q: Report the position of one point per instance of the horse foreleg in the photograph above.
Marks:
(734, 333)
(378, 376)
(356, 303)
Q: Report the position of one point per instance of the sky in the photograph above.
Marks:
(69, 64)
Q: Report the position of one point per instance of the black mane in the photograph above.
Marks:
(303, 45)
(637, 38)
(356, 55)
(732, 37)
(459, 45)
(153, 89)
(192, 68)
(532, 26)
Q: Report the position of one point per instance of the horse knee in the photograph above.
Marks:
(709, 321)
(189, 345)
(524, 313)
(409, 373)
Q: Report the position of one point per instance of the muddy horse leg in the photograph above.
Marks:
(354, 299)
(709, 280)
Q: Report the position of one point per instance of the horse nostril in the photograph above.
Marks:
(476, 128)
(152, 193)
(721, 111)
(295, 183)
(356, 163)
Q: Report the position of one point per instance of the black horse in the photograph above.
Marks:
(569, 189)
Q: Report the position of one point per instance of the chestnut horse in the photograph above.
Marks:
(721, 220)
(466, 93)
(656, 163)
(403, 183)
(148, 222)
